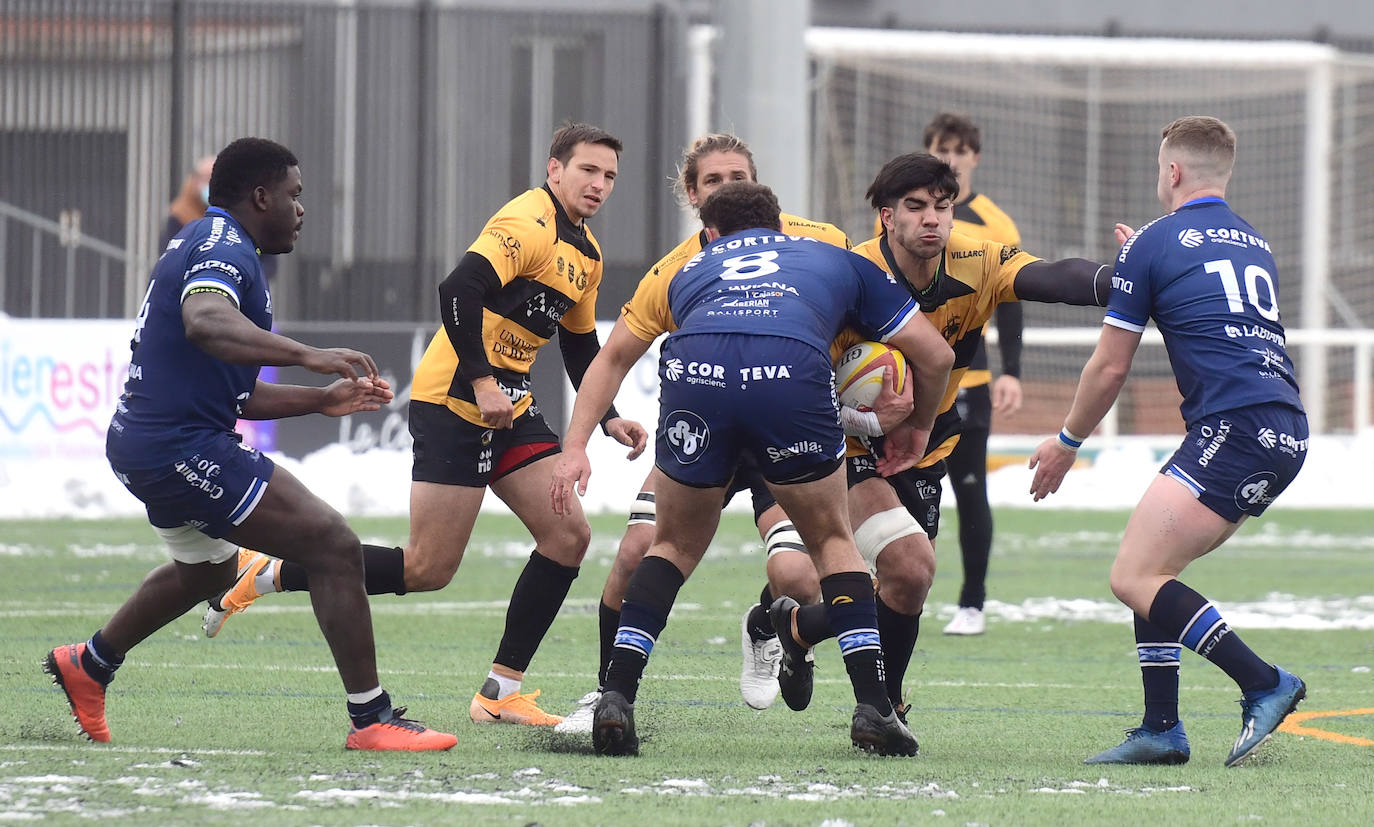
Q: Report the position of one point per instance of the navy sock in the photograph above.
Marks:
(1190, 619)
(99, 660)
(609, 624)
(534, 603)
(899, 632)
(758, 624)
(369, 713)
(1159, 665)
(648, 599)
(384, 572)
(854, 621)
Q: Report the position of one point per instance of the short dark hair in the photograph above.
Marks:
(245, 165)
(913, 171)
(953, 125)
(741, 205)
(571, 133)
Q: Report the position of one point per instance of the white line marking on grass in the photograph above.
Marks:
(83, 747)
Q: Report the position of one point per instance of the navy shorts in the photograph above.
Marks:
(212, 487)
(1237, 462)
(725, 396)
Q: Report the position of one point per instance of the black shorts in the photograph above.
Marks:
(918, 489)
(975, 407)
(449, 450)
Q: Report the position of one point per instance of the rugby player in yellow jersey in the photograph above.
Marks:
(956, 140)
(958, 281)
(706, 164)
(533, 271)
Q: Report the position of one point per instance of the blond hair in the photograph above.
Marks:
(1208, 143)
(687, 168)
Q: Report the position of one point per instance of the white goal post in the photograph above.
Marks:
(1070, 130)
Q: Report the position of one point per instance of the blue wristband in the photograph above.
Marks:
(1069, 440)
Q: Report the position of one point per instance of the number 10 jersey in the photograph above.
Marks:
(1209, 281)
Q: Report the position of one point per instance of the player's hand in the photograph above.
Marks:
(1051, 461)
(340, 361)
(570, 474)
(628, 432)
(348, 396)
(893, 408)
(496, 408)
(902, 448)
(1006, 395)
(1122, 232)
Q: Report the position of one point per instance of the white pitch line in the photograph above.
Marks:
(86, 747)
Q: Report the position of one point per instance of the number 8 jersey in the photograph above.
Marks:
(1209, 281)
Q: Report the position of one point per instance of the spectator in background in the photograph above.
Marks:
(192, 202)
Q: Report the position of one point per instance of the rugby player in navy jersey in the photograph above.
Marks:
(201, 337)
(1209, 282)
(754, 314)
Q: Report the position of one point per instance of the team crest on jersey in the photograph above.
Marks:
(687, 436)
(951, 328)
(1008, 253)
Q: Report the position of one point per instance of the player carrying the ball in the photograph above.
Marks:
(958, 282)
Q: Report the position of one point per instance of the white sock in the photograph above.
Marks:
(265, 582)
(504, 686)
(364, 697)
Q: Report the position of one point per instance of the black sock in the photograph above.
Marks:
(854, 621)
(1190, 619)
(609, 624)
(899, 632)
(534, 603)
(384, 572)
(649, 598)
(758, 624)
(369, 713)
(99, 660)
(813, 624)
(1158, 656)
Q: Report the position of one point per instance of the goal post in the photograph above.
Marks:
(1071, 127)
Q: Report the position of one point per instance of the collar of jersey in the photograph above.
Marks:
(1206, 199)
(572, 233)
(241, 228)
(942, 288)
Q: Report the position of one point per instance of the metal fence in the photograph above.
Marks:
(413, 121)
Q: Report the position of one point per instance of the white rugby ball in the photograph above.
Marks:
(859, 373)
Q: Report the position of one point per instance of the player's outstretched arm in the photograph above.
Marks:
(341, 398)
(216, 326)
(1098, 388)
(1067, 281)
(594, 398)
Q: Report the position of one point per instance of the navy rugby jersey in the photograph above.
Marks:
(177, 394)
(1209, 281)
(764, 283)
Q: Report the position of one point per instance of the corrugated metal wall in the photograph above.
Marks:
(413, 123)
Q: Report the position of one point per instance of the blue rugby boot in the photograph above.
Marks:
(1143, 746)
(1262, 712)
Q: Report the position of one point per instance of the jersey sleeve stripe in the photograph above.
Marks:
(899, 321)
(1123, 323)
(210, 284)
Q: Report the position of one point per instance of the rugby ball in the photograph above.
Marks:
(859, 373)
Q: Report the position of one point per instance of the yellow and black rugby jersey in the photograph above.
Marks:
(647, 309)
(978, 218)
(549, 269)
(973, 278)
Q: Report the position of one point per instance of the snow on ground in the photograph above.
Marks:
(377, 482)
